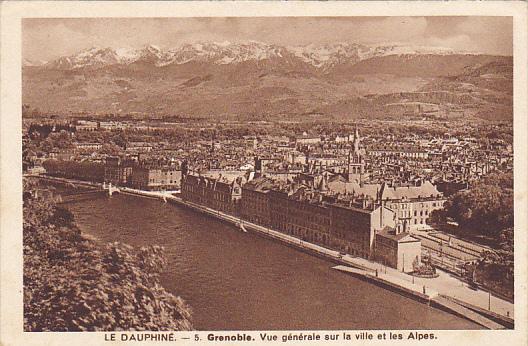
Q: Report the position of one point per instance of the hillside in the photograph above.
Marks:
(256, 80)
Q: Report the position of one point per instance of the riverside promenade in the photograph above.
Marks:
(444, 286)
(418, 292)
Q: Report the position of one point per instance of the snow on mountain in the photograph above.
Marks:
(321, 57)
(224, 53)
(329, 55)
(127, 55)
(91, 57)
(385, 50)
(28, 62)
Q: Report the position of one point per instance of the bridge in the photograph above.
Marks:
(107, 189)
(81, 196)
(110, 188)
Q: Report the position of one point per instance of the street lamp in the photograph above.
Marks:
(403, 267)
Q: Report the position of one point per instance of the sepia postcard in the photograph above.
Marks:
(263, 173)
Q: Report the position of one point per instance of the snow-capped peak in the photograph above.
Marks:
(28, 62)
(153, 48)
(127, 54)
(328, 55)
(405, 49)
(321, 57)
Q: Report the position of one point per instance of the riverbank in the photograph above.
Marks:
(445, 285)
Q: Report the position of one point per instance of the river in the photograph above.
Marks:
(239, 281)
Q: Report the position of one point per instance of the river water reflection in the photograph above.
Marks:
(240, 281)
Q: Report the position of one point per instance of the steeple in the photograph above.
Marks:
(355, 143)
(356, 165)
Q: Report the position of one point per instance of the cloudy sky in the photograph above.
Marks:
(46, 39)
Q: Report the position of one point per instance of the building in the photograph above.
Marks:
(88, 146)
(155, 178)
(138, 147)
(262, 164)
(117, 172)
(398, 250)
(86, 125)
(255, 206)
(62, 154)
(413, 108)
(307, 140)
(354, 229)
(220, 190)
(399, 150)
(306, 214)
(111, 125)
(299, 213)
(413, 205)
(356, 161)
(342, 139)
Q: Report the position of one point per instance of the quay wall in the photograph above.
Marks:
(391, 286)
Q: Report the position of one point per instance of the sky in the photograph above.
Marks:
(47, 39)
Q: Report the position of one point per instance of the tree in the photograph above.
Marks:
(110, 149)
(495, 268)
(438, 216)
(120, 139)
(62, 140)
(486, 208)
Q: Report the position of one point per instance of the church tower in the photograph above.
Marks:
(356, 162)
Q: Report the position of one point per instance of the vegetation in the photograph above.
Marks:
(90, 171)
(495, 268)
(72, 283)
(486, 208)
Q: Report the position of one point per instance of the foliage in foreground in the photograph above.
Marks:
(71, 283)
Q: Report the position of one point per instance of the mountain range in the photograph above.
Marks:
(255, 79)
(319, 56)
